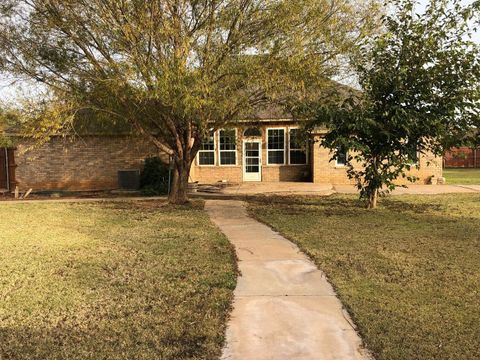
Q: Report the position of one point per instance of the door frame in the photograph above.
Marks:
(244, 163)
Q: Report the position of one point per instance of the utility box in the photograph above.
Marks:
(129, 179)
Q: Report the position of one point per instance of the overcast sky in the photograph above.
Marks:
(8, 92)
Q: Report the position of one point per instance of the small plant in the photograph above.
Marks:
(154, 177)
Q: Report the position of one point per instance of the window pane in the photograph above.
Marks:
(228, 140)
(208, 143)
(298, 157)
(206, 158)
(276, 139)
(341, 156)
(294, 141)
(227, 158)
(252, 149)
(276, 157)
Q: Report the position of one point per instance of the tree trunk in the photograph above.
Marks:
(372, 199)
(179, 188)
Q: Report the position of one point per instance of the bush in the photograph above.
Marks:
(154, 177)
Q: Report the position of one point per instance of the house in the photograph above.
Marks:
(269, 150)
(266, 149)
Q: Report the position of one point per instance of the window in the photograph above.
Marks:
(252, 132)
(276, 146)
(412, 154)
(206, 154)
(228, 147)
(298, 154)
(341, 159)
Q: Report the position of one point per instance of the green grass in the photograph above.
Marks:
(112, 281)
(462, 176)
(408, 272)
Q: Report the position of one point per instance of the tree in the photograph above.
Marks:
(8, 119)
(419, 81)
(176, 69)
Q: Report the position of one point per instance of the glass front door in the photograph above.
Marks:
(252, 160)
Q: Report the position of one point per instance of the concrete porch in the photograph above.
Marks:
(270, 188)
(322, 189)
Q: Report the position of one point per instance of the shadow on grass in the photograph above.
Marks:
(70, 341)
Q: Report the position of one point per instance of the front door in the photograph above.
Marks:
(252, 160)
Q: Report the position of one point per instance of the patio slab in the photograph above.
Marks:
(282, 187)
(417, 189)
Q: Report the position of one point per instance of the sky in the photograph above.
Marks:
(9, 92)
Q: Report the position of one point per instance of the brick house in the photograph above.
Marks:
(266, 150)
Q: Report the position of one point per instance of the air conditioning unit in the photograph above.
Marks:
(129, 179)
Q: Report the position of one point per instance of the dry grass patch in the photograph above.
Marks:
(134, 280)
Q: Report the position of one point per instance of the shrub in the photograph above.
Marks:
(154, 177)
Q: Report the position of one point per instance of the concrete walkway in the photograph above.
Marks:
(417, 189)
(284, 308)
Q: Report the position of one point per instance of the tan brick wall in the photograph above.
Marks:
(89, 163)
(234, 174)
(92, 162)
(325, 171)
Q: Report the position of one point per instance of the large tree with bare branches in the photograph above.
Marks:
(175, 69)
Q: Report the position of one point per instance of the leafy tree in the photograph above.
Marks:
(176, 69)
(8, 119)
(419, 81)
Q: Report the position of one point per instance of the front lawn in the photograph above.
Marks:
(408, 272)
(112, 281)
(459, 176)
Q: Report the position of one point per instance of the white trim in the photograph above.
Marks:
(289, 150)
(220, 150)
(244, 163)
(214, 153)
(284, 144)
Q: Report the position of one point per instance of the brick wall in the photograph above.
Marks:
(88, 163)
(462, 157)
(326, 171)
(92, 162)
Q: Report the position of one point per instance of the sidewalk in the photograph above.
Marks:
(284, 307)
(414, 189)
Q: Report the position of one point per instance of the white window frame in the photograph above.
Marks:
(337, 164)
(227, 151)
(289, 149)
(285, 132)
(214, 153)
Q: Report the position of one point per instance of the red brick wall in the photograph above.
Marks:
(462, 157)
(88, 163)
